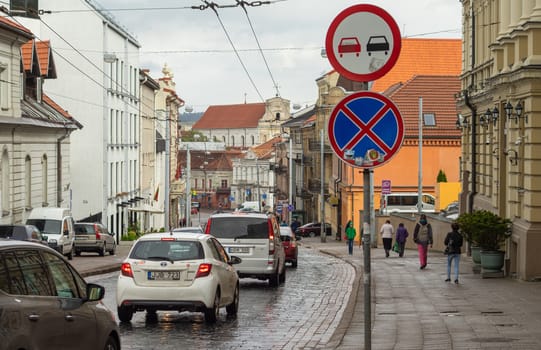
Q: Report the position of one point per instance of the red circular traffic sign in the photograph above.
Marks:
(363, 42)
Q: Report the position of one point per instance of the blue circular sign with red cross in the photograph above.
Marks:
(366, 129)
(363, 42)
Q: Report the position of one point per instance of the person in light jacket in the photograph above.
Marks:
(387, 231)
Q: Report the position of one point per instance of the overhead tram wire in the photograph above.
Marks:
(213, 7)
(242, 4)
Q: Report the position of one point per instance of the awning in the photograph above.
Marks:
(147, 208)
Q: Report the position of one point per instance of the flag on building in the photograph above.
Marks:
(157, 193)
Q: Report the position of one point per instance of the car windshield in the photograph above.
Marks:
(167, 250)
(84, 229)
(239, 227)
(46, 226)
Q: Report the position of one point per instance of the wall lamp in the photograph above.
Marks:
(461, 122)
(491, 115)
(513, 156)
(517, 114)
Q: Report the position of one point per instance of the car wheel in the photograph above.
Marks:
(77, 253)
(211, 314)
(125, 313)
(294, 263)
(233, 308)
(282, 277)
(111, 344)
(274, 279)
(113, 251)
(312, 234)
(101, 252)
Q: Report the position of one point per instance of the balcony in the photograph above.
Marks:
(315, 146)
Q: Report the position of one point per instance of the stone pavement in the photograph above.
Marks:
(413, 308)
(416, 309)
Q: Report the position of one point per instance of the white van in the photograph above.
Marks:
(406, 202)
(58, 225)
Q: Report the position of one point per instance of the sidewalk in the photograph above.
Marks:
(416, 309)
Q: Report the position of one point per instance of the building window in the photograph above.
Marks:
(224, 183)
(44, 181)
(253, 140)
(4, 182)
(233, 141)
(28, 182)
(429, 119)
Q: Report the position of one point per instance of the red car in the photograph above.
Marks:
(289, 242)
(349, 45)
(313, 229)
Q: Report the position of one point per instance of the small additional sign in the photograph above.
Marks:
(385, 186)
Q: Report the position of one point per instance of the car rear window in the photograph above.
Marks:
(167, 250)
(239, 227)
(84, 229)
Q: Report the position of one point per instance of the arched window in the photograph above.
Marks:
(44, 181)
(253, 140)
(4, 181)
(232, 140)
(28, 182)
(242, 141)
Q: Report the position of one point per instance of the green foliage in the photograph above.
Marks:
(131, 236)
(441, 177)
(135, 227)
(484, 229)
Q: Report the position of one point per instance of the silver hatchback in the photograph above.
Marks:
(93, 237)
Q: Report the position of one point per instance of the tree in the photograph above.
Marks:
(441, 177)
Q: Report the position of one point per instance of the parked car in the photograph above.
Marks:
(93, 237)
(57, 224)
(178, 271)
(450, 211)
(254, 237)
(22, 233)
(289, 241)
(46, 304)
(192, 229)
(313, 229)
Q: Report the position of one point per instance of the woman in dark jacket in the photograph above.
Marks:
(453, 241)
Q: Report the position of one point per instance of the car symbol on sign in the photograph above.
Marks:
(349, 45)
(377, 43)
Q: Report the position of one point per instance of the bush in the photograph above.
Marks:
(484, 229)
(131, 236)
(441, 177)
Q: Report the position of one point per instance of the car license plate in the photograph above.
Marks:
(163, 275)
(244, 250)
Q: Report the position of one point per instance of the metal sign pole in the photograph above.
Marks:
(366, 251)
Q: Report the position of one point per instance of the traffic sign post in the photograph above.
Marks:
(365, 129)
(363, 42)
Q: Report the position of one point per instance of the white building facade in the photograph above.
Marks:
(99, 67)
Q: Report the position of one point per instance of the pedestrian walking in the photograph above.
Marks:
(422, 236)
(295, 225)
(387, 231)
(453, 242)
(401, 236)
(350, 235)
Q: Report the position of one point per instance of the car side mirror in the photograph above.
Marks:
(94, 292)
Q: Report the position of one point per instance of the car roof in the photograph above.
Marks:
(11, 243)
(240, 214)
(173, 234)
(188, 229)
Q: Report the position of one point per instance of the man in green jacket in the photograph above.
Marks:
(350, 235)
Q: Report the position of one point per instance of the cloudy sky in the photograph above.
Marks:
(291, 34)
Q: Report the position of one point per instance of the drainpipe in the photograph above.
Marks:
(468, 103)
(339, 211)
(59, 167)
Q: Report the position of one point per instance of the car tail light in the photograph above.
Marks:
(203, 270)
(97, 230)
(207, 228)
(271, 238)
(293, 244)
(126, 270)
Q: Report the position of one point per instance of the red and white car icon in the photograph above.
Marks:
(349, 45)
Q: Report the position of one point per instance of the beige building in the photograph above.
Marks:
(500, 107)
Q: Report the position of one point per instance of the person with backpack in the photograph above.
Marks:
(453, 242)
(422, 236)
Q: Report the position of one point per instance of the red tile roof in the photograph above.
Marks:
(437, 94)
(46, 99)
(423, 57)
(44, 56)
(264, 150)
(38, 53)
(231, 116)
(8, 23)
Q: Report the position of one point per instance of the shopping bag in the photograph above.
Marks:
(395, 247)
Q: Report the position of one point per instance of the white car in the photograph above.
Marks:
(178, 271)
